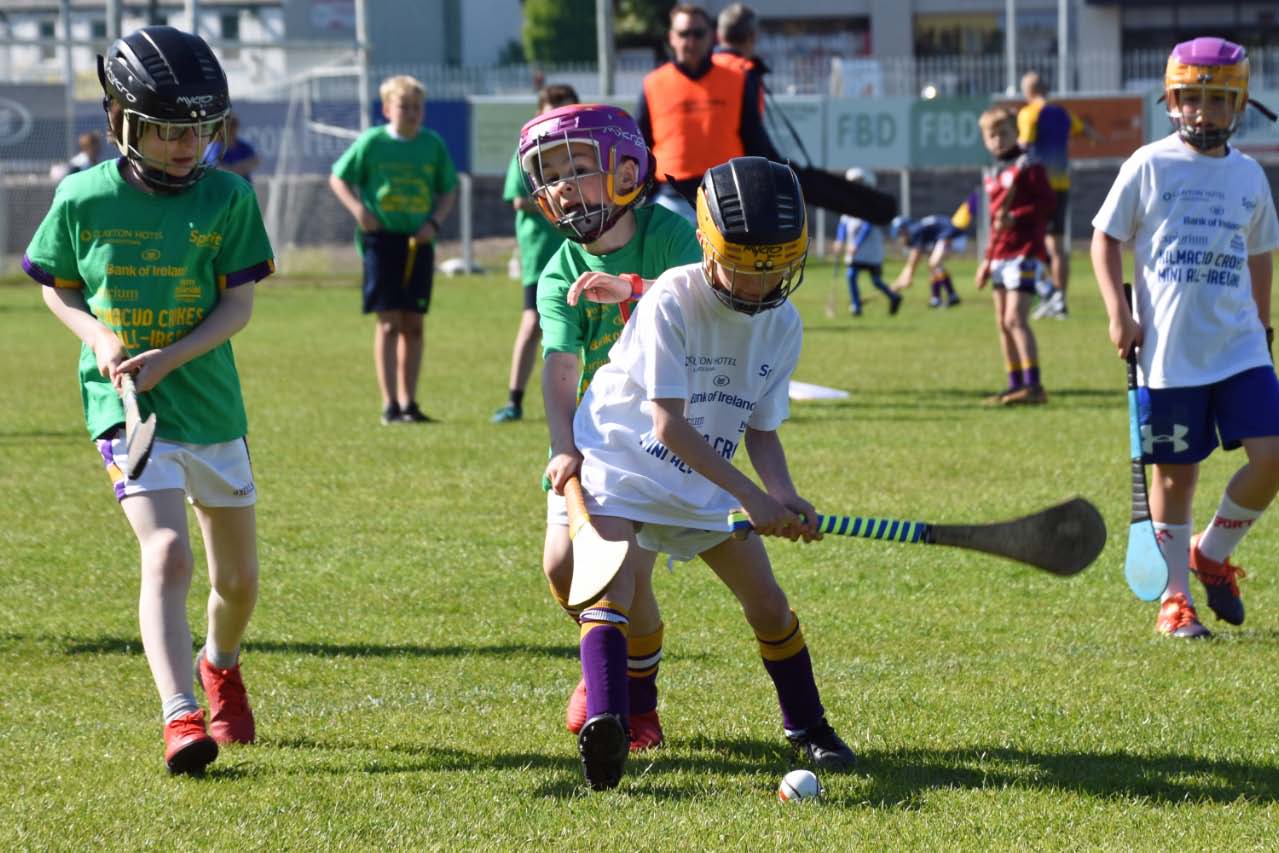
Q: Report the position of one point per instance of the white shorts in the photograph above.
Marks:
(1017, 274)
(213, 475)
(681, 543)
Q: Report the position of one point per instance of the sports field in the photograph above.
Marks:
(409, 670)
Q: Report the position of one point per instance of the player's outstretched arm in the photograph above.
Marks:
(907, 276)
(602, 287)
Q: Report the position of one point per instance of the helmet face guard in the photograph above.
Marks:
(168, 84)
(1209, 68)
(753, 224)
(611, 137)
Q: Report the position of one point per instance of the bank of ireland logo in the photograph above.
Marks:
(721, 380)
(1176, 438)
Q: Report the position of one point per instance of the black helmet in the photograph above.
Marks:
(753, 221)
(171, 80)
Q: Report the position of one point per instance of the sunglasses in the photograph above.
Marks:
(697, 33)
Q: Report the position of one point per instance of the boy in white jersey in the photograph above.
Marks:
(702, 367)
(1203, 227)
(150, 261)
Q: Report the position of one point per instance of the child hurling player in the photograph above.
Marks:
(938, 236)
(538, 242)
(863, 247)
(703, 366)
(149, 260)
(1203, 227)
(589, 170)
(1021, 201)
(398, 182)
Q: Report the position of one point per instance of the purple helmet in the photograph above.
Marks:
(560, 184)
(1206, 66)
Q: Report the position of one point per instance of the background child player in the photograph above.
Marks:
(398, 182)
(589, 172)
(153, 255)
(703, 366)
(1202, 221)
(538, 242)
(936, 235)
(863, 246)
(1020, 202)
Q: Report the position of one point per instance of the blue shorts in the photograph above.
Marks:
(397, 274)
(1180, 426)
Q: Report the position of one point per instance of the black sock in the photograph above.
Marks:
(517, 398)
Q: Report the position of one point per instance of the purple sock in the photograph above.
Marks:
(796, 691)
(603, 652)
(1030, 376)
(1014, 378)
(936, 289)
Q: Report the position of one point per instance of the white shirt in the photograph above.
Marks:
(871, 251)
(1194, 221)
(733, 371)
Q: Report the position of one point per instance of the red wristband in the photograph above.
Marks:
(636, 282)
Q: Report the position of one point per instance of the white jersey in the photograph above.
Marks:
(871, 248)
(731, 369)
(1194, 221)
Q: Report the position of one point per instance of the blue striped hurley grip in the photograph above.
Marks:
(887, 529)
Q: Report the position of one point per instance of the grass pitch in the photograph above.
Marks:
(409, 670)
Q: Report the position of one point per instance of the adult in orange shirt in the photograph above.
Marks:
(695, 114)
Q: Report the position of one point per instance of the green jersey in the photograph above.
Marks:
(537, 238)
(400, 180)
(662, 240)
(152, 267)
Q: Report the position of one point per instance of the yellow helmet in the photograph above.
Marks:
(1207, 65)
(753, 221)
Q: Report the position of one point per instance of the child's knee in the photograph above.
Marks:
(167, 558)
(239, 585)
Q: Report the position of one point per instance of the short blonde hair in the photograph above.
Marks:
(401, 86)
(995, 116)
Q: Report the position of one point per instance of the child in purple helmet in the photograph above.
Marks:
(589, 172)
(1203, 225)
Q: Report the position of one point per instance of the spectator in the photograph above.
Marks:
(1044, 130)
(398, 182)
(235, 155)
(90, 144)
(695, 113)
(737, 32)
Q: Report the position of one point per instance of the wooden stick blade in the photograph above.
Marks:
(138, 439)
(596, 562)
(1145, 568)
(1064, 539)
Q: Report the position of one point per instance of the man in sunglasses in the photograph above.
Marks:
(696, 114)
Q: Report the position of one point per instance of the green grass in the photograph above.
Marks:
(409, 670)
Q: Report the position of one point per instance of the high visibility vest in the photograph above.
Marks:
(696, 123)
(740, 63)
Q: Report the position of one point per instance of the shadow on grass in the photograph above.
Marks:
(122, 645)
(25, 437)
(899, 779)
(902, 778)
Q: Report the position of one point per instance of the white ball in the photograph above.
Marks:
(799, 785)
